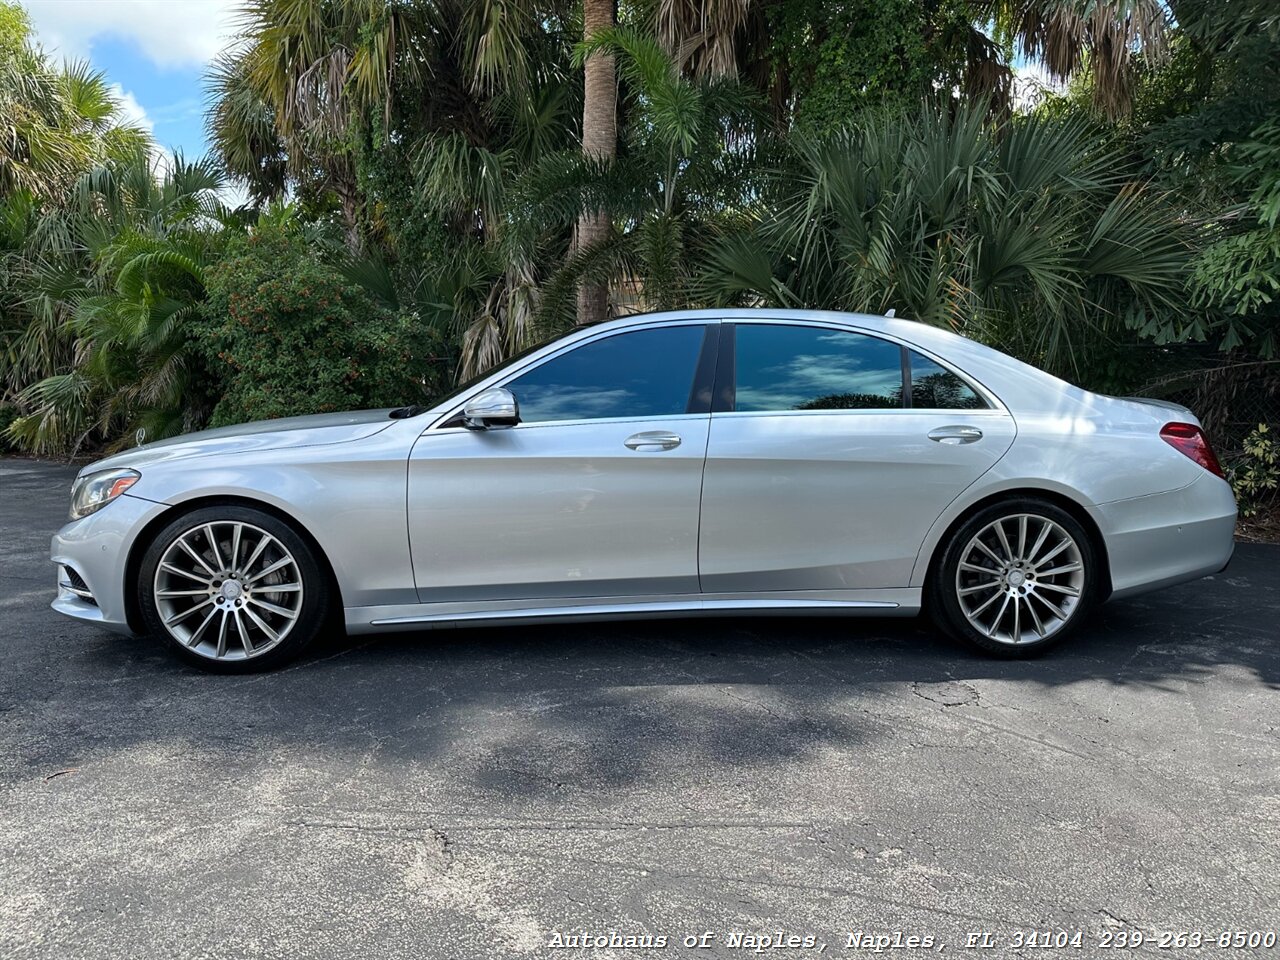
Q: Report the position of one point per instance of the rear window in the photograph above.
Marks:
(934, 387)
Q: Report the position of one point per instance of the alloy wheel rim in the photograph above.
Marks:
(228, 590)
(1020, 579)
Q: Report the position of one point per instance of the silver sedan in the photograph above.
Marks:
(702, 462)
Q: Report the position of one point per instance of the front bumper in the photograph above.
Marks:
(96, 548)
(1169, 538)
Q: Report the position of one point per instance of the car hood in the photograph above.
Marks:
(307, 431)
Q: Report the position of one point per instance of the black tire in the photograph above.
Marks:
(1024, 592)
(310, 609)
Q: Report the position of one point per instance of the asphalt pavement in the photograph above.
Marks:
(499, 792)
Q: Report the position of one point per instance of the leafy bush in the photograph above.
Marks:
(287, 334)
(1255, 474)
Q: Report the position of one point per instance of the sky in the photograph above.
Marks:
(154, 51)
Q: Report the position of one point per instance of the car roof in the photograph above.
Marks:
(998, 372)
(901, 328)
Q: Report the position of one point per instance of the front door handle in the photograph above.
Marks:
(653, 440)
(955, 433)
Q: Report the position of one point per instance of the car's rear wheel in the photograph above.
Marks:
(232, 589)
(1016, 578)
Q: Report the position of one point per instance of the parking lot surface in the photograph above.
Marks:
(494, 792)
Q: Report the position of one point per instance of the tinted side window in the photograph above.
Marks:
(812, 368)
(936, 388)
(646, 373)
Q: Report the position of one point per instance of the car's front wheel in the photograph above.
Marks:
(232, 589)
(1016, 578)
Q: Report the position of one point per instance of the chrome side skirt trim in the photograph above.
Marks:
(610, 609)
(422, 616)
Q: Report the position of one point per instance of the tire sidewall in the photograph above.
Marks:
(315, 602)
(945, 605)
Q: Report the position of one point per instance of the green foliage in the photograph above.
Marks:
(839, 58)
(770, 152)
(1022, 233)
(80, 359)
(439, 169)
(1239, 275)
(285, 334)
(15, 29)
(1255, 474)
(56, 121)
(105, 354)
(687, 172)
(1213, 135)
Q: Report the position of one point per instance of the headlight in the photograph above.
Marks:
(95, 491)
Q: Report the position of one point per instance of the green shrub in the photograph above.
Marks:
(286, 334)
(1255, 474)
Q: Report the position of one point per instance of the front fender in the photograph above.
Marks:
(350, 498)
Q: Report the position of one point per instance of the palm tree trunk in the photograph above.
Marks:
(348, 193)
(599, 140)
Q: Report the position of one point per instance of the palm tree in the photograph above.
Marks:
(704, 36)
(686, 175)
(284, 97)
(441, 106)
(241, 126)
(1019, 232)
(486, 289)
(1104, 38)
(55, 122)
(599, 141)
(120, 292)
(308, 80)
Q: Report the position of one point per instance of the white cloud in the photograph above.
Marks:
(133, 111)
(169, 33)
(136, 114)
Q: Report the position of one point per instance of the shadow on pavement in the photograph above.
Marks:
(533, 708)
(530, 708)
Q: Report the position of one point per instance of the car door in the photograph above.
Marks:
(831, 453)
(593, 494)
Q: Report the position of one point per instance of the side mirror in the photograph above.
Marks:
(491, 409)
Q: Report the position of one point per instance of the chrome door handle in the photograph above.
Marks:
(652, 439)
(955, 433)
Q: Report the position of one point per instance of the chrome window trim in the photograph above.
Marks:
(993, 402)
(540, 424)
(506, 376)
(890, 411)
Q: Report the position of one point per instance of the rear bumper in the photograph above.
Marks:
(96, 548)
(1169, 538)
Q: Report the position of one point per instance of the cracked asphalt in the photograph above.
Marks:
(477, 793)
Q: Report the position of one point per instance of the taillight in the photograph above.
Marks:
(1190, 440)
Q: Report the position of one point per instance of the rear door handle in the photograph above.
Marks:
(955, 433)
(653, 440)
